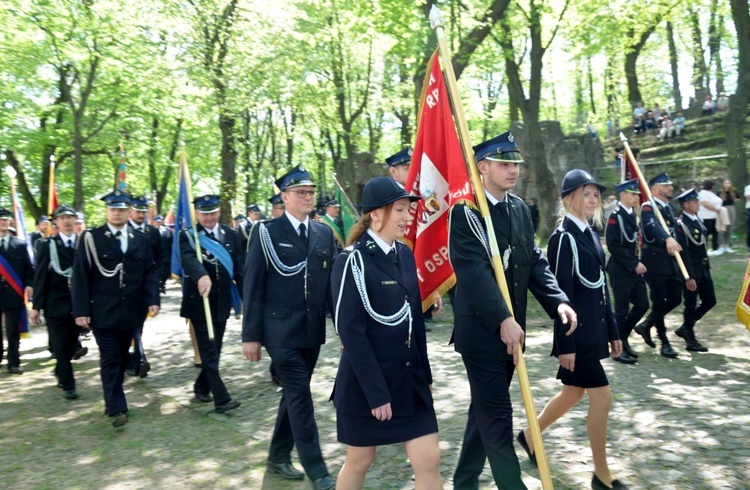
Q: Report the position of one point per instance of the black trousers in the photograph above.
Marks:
(666, 295)
(138, 355)
(712, 232)
(63, 338)
(627, 290)
(707, 295)
(12, 319)
(295, 420)
(209, 379)
(113, 352)
(489, 429)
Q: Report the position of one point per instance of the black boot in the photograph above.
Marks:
(644, 330)
(627, 349)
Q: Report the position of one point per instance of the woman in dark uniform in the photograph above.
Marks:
(383, 387)
(577, 259)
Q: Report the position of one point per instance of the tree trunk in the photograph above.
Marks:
(700, 71)
(715, 31)
(546, 189)
(632, 52)
(740, 100)
(228, 166)
(676, 95)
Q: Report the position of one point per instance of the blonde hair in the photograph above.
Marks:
(365, 222)
(569, 202)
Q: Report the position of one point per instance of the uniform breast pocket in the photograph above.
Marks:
(323, 257)
(108, 260)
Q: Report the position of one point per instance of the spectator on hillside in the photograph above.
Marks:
(610, 129)
(591, 129)
(709, 211)
(729, 196)
(667, 128)
(708, 107)
(638, 111)
(639, 126)
(722, 103)
(679, 124)
(651, 123)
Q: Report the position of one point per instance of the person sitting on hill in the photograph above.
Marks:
(679, 124)
(658, 114)
(708, 107)
(722, 103)
(639, 127)
(667, 128)
(651, 122)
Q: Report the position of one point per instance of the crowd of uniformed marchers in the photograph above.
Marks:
(288, 273)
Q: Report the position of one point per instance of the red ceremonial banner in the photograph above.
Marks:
(439, 176)
(628, 173)
(743, 302)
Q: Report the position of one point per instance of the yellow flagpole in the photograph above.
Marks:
(198, 253)
(436, 22)
(644, 185)
(50, 192)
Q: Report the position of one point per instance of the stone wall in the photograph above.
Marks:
(578, 150)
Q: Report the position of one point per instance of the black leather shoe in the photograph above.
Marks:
(597, 484)
(15, 370)
(131, 372)
(625, 358)
(324, 483)
(144, 369)
(119, 419)
(668, 351)
(227, 406)
(71, 394)
(644, 331)
(696, 346)
(522, 441)
(80, 353)
(682, 333)
(286, 470)
(629, 350)
(204, 397)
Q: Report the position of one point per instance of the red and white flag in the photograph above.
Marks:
(439, 176)
(628, 173)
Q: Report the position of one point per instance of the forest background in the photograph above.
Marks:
(252, 87)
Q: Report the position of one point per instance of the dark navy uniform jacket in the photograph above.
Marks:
(696, 261)
(110, 302)
(154, 238)
(377, 366)
(479, 307)
(621, 227)
(596, 323)
(275, 309)
(17, 256)
(220, 298)
(51, 290)
(655, 256)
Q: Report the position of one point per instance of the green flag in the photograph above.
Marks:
(348, 214)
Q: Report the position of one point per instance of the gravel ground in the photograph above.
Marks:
(675, 424)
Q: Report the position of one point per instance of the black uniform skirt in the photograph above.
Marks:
(587, 374)
(366, 431)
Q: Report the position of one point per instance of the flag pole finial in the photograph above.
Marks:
(10, 171)
(623, 138)
(436, 17)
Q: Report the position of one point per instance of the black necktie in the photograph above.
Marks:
(5, 244)
(211, 235)
(302, 234)
(502, 206)
(70, 243)
(392, 256)
(118, 234)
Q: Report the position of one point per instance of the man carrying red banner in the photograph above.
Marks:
(486, 334)
(15, 272)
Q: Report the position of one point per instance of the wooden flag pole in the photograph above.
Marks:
(644, 186)
(198, 252)
(436, 22)
(50, 193)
